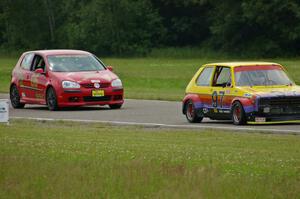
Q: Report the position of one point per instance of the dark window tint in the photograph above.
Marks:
(205, 77)
(222, 77)
(26, 62)
(38, 62)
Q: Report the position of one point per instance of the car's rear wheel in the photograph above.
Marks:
(51, 99)
(15, 97)
(238, 114)
(115, 106)
(191, 113)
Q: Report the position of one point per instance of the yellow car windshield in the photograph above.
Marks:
(264, 76)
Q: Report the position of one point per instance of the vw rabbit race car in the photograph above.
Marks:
(244, 92)
(64, 78)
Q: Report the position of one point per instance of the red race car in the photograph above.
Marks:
(64, 78)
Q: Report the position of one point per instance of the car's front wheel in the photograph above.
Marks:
(51, 99)
(238, 114)
(15, 97)
(191, 113)
(115, 106)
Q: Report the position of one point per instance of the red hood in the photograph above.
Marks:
(104, 76)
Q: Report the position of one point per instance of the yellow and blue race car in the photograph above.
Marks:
(244, 92)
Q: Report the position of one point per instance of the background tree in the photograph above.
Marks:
(134, 27)
(120, 27)
(259, 27)
(186, 22)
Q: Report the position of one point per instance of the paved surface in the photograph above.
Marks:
(141, 112)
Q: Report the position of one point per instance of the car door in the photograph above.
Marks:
(222, 90)
(38, 79)
(203, 87)
(24, 76)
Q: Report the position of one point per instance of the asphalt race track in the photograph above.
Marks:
(150, 113)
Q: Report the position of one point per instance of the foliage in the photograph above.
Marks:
(186, 22)
(265, 28)
(120, 27)
(134, 27)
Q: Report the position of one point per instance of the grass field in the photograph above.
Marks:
(75, 160)
(152, 78)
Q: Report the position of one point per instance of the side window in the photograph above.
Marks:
(38, 62)
(222, 77)
(205, 77)
(26, 62)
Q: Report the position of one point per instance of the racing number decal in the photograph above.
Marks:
(222, 93)
(214, 99)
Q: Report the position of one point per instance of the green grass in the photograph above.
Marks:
(75, 160)
(6, 67)
(153, 78)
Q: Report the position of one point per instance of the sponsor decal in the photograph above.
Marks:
(34, 81)
(205, 110)
(21, 82)
(227, 92)
(247, 95)
(39, 96)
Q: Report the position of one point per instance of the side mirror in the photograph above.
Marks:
(110, 68)
(228, 84)
(39, 71)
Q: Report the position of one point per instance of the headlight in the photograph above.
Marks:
(116, 83)
(69, 84)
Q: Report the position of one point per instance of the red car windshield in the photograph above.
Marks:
(260, 76)
(74, 63)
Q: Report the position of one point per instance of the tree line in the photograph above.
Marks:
(134, 27)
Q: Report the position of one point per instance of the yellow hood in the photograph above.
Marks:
(272, 91)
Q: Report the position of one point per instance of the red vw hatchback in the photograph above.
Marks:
(62, 78)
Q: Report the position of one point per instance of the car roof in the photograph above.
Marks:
(59, 52)
(236, 64)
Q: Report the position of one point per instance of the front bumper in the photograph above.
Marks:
(273, 110)
(83, 97)
(278, 122)
(258, 118)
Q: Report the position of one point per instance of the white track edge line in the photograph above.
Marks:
(164, 125)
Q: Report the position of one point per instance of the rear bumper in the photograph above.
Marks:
(83, 97)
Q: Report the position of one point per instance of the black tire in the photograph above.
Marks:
(115, 106)
(190, 113)
(15, 97)
(238, 114)
(51, 99)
